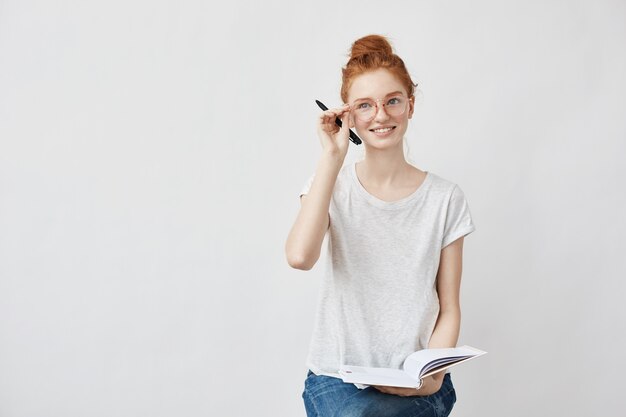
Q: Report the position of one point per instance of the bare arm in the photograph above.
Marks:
(446, 333)
(305, 239)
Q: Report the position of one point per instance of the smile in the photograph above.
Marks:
(383, 130)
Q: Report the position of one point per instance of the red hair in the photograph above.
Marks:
(370, 53)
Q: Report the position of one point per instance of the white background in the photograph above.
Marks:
(151, 156)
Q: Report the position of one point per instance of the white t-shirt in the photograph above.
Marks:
(378, 300)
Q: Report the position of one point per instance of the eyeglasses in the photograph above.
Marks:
(367, 109)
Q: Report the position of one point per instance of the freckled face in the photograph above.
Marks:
(383, 131)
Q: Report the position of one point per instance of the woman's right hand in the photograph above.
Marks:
(334, 139)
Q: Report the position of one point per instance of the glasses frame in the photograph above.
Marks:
(408, 99)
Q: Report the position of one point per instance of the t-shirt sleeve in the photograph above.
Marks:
(458, 218)
(307, 186)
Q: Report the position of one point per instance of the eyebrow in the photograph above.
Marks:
(388, 94)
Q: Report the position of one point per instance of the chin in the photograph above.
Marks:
(378, 143)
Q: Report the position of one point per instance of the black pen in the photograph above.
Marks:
(353, 137)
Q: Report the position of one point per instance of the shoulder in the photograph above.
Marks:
(446, 192)
(441, 185)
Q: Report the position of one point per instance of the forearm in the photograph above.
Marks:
(446, 333)
(305, 239)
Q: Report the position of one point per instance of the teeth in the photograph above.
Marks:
(387, 129)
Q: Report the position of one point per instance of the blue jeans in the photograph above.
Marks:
(325, 396)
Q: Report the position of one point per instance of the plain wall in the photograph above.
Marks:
(151, 156)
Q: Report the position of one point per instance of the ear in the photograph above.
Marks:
(411, 106)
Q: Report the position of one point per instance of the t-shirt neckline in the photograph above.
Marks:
(390, 204)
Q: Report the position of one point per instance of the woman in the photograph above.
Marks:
(393, 275)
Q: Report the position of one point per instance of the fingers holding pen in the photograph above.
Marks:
(328, 117)
(333, 138)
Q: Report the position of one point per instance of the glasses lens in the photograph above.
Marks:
(365, 109)
(395, 106)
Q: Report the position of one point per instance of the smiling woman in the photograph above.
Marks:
(391, 285)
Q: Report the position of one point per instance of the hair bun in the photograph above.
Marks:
(369, 53)
(371, 44)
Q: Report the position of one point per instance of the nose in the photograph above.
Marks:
(381, 113)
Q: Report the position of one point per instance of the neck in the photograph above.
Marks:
(384, 168)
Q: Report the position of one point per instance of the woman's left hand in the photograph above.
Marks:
(431, 385)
